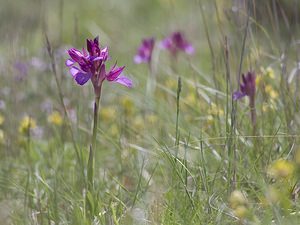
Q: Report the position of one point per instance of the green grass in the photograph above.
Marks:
(173, 157)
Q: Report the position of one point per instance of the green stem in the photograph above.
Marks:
(91, 161)
(253, 114)
(179, 85)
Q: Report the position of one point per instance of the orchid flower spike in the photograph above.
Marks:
(176, 42)
(144, 52)
(89, 64)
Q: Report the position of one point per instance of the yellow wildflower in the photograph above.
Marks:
(108, 114)
(281, 168)
(128, 105)
(138, 123)
(240, 212)
(209, 120)
(190, 99)
(55, 118)
(26, 124)
(270, 72)
(258, 80)
(237, 198)
(1, 119)
(270, 91)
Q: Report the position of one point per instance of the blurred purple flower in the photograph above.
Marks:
(22, 70)
(92, 66)
(38, 64)
(46, 106)
(247, 87)
(176, 42)
(144, 53)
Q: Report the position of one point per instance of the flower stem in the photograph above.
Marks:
(253, 114)
(91, 160)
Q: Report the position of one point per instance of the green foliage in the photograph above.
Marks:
(185, 154)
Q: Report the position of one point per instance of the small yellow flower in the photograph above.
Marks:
(108, 114)
(258, 80)
(240, 212)
(138, 123)
(26, 124)
(1, 119)
(209, 120)
(190, 99)
(270, 91)
(237, 198)
(1, 136)
(281, 168)
(55, 118)
(270, 72)
(151, 118)
(128, 105)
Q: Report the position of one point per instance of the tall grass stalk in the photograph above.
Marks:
(212, 53)
(60, 94)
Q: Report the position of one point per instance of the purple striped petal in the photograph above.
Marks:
(114, 73)
(124, 81)
(76, 55)
(97, 58)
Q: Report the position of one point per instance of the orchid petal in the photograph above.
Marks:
(69, 62)
(189, 49)
(76, 55)
(81, 78)
(97, 58)
(124, 81)
(114, 73)
(238, 95)
(138, 59)
(74, 71)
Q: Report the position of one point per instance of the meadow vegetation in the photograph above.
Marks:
(208, 133)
